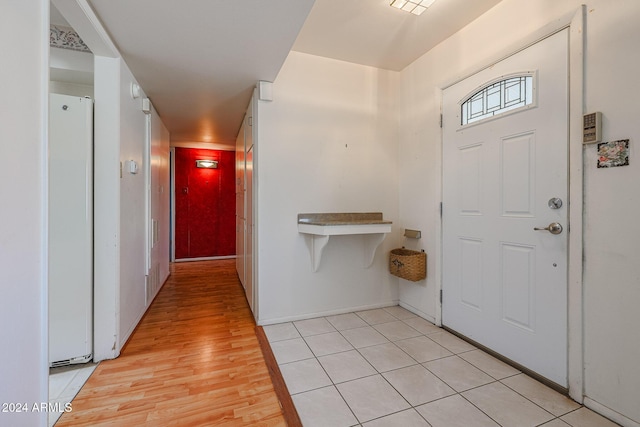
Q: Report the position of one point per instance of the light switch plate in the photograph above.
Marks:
(133, 167)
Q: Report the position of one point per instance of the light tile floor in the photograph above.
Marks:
(64, 383)
(389, 367)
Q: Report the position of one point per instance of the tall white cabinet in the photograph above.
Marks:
(245, 207)
(241, 216)
(70, 229)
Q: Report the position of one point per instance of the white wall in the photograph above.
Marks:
(72, 60)
(71, 72)
(327, 143)
(106, 208)
(23, 229)
(120, 216)
(611, 271)
(133, 137)
(73, 89)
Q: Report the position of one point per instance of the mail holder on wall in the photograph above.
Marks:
(412, 234)
(408, 264)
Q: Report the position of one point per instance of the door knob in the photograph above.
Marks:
(553, 228)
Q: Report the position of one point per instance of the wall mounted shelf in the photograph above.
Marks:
(317, 228)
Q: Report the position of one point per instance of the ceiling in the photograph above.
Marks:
(56, 18)
(198, 60)
(369, 32)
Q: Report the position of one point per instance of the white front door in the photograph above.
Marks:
(505, 174)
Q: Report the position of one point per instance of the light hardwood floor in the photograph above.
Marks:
(194, 360)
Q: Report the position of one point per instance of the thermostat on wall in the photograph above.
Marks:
(592, 128)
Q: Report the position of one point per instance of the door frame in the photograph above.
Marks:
(172, 203)
(575, 23)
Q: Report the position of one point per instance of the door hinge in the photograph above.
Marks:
(440, 209)
(250, 121)
(440, 120)
(440, 296)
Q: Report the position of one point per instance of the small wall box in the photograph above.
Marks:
(408, 264)
(592, 128)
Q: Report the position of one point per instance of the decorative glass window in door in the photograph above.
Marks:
(497, 98)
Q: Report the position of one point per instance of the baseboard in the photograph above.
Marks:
(205, 258)
(264, 322)
(282, 392)
(609, 413)
(144, 313)
(417, 311)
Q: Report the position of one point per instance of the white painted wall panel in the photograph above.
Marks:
(106, 207)
(133, 137)
(611, 288)
(471, 272)
(160, 212)
(328, 143)
(470, 176)
(517, 285)
(612, 271)
(518, 177)
(23, 229)
(120, 224)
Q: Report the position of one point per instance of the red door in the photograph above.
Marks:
(204, 204)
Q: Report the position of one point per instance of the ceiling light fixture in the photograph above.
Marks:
(414, 6)
(207, 164)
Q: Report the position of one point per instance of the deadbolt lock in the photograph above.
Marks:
(554, 203)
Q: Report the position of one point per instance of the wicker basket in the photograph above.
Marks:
(408, 264)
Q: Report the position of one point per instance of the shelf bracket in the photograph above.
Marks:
(371, 243)
(316, 244)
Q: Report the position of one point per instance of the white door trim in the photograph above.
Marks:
(172, 203)
(575, 23)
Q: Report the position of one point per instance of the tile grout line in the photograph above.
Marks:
(333, 384)
(377, 372)
(381, 374)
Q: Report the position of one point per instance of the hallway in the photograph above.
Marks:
(194, 360)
